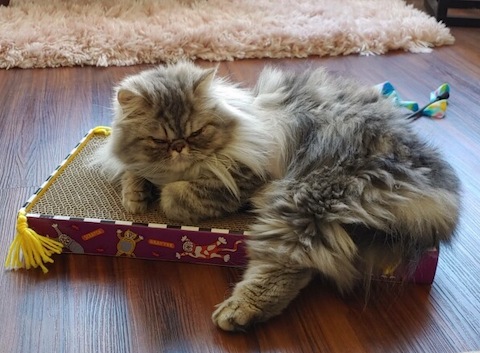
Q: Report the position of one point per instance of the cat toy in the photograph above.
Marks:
(435, 108)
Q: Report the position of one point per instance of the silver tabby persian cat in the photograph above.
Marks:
(339, 182)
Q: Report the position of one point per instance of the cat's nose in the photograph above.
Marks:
(178, 145)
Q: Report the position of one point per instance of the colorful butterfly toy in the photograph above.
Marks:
(435, 108)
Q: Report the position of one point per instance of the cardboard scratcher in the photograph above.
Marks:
(78, 211)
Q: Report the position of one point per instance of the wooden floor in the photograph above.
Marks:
(97, 304)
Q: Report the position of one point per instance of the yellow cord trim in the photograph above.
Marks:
(390, 270)
(30, 249)
(105, 130)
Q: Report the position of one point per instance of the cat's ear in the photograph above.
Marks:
(130, 99)
(202, 84)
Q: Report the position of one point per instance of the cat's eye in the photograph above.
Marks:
(197, 132)
(158, 141)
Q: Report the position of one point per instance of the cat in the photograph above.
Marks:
(342, 185)
(179, 134)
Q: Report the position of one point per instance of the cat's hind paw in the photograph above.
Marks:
(235, 315)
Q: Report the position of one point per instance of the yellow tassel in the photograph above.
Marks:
(30, 249)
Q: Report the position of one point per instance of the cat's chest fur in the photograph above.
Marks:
(161, 178)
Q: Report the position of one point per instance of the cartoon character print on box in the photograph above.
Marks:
(67, 241)
(209, 251)
(127, 243)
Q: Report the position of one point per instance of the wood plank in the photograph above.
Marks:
(96, 304)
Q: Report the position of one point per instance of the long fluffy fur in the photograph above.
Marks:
(355, 190)
(347, 187)
(220, 166)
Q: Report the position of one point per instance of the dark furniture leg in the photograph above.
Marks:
(439, 8)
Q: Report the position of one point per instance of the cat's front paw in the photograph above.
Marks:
(136, 193)
(174, 199)
(135, 203)
(235, 314)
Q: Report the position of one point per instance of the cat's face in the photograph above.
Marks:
(167, 120)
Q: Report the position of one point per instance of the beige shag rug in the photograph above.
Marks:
(53, 33)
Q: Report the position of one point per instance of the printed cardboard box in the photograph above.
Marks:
(79, 208)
